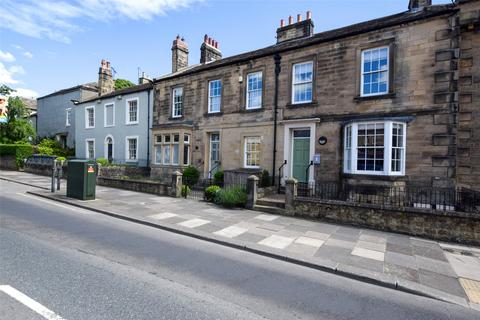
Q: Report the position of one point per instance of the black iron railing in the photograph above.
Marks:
(442, 199)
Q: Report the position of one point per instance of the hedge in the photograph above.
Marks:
(19, 151)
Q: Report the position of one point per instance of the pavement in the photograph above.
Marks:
(444, 271)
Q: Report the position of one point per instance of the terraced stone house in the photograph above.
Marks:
(392, 101)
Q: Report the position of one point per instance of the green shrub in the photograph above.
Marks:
(102, 162)
(47, 151)
(19, 151)
(218, 177)
(265, 179)
(61, 159)
(211, 192)
(185, 191)
(191, 175)
(232, 197)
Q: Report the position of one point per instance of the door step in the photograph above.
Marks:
(269, 209)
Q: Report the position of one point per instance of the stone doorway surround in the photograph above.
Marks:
(289, 127)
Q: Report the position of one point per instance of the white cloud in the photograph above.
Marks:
(26, 93)
(6, 56)
(16, 69)
(57, 19)
(28, 54)
(6, 76)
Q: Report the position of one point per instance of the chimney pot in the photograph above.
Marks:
(205, 38)
(299, 17)
(309, 15)
(282, 23)
(216, 44)
(290, 20)
(209, 41)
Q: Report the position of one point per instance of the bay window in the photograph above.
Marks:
(376, 148)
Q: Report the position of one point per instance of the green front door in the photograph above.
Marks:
(301, 154)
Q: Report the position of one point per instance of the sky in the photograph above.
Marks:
(48, 45)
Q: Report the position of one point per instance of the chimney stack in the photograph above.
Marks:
(209, 50)
(300, 29)
(144, 79)
(416, 5)
(105, 78)
(179, 54)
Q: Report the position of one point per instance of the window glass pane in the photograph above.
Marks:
(175, 154)
(132, 111)
(215, 91)
(158, 154)
(177, 102)
(302, 82)
(176, 138)
(166, 138)
(186, 154)
(252, 152)
(158, 138)
(186, 138)
(254, 90)
(109, 115)
(375, 71)
(132, 149)
(166, 154)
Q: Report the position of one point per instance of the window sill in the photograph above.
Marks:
(377, 97)
(131, 123)
(375, 176)
(176, 118)
(312, 104)
(245, 110)
(213, 114)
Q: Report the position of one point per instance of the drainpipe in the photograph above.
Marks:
(148, 126)
(278, 69)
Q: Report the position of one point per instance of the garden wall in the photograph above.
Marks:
(438, 225)
(152, 187)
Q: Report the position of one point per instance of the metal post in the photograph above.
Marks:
(59, 173)
(54, 170)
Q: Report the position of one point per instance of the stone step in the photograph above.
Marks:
(271, 203)
(268, 209)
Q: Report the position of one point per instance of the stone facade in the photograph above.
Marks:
(431, 90)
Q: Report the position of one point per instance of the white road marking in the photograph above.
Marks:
(278, 242)
(82, 211)
(230, 232)
(193, 223)
(30, 303)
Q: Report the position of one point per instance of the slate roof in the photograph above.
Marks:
(91, 86)
(331, 35)
(137, 88)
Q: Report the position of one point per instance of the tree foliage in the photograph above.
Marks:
(6, 90)
(123, 83)
(17, 129)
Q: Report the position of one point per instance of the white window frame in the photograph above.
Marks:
(86, 148)
(127, 111)
(127, 150)
(105, 124)
(68, 114)
(387, 160)
(245, 142)
(304, 82)
(362, 94)
(210, 96)
(87, 123)
(248, 106)
(174, 104)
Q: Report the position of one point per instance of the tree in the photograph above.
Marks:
(17, 128)
(6, 90)
(123, 83)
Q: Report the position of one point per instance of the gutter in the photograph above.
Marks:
(278, 69)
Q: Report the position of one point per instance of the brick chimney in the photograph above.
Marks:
(415, 5)
(179, 54)
(105, 78)
(297, 30)
(209, 50)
